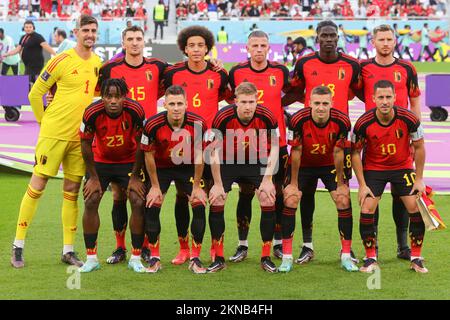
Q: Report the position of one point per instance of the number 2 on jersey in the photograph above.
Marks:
(260, 97)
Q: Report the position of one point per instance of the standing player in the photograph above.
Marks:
(205, 86)
(271, 78)
(172, 142)
(317, 136)
(340, 73)
(384, 66)
(246, 134)
(74, 74)
(385, 134)
(115, 122)
(142, 76)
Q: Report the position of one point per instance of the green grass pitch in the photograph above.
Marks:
(45, 277)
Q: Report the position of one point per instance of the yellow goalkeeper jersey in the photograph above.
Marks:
(73, 81)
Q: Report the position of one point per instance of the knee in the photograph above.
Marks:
(92, 202)
(291, 202)
(265, 201)
(135, 201)
(343, 202)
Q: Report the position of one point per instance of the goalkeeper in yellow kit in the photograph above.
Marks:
(72, 78)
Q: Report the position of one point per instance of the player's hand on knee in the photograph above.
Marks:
(135, 184)
(292, 195)
(217, 194)
(342, 191)
(154, 196)
(198, 195)
(363, 193)
(267, 188)
(90, 187)
(418, 187)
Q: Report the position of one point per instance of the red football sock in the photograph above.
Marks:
(120, 239)
(196, 248)
(287, 246)
(154, 248)
(184, 242)
(346, 246)
(266, 249)
(146, 244)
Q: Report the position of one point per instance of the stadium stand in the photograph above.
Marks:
(43, 10)
(308, 9)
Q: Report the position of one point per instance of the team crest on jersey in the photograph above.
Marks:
(273, 81)
(210, 84)
(397, 76)
(341, 74)
(399, 133)
(149, 75)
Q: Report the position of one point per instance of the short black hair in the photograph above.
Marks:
(62, 33)
(300, 40)
(29, 22)
(2, 31)
(194, 31)
(326, 23)
(383, 84)
(120, 85)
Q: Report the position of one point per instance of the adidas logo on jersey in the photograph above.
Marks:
(314, 73)
(74, 71)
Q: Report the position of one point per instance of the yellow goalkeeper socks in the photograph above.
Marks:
(69, 219)
(27, 210)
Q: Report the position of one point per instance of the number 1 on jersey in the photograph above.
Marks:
(87, 87)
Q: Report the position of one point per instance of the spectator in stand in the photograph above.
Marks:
(86, 10)
(315, 11)
(297, 13)
(373, 10)
(306, 5)
(347, 9)
(54, 5)
(326, 9)
(35, 5)
(202, 6)
(192, 15)
(283, 11)
(253, 11)
(66, 5)
(129, 12)
(181, 10)
(141, 13)
(266, 10)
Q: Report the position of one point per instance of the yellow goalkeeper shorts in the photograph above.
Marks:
(51, 153)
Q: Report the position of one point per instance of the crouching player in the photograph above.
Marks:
(173, 143)
(385, 135)
(317, 136)
(244, 132)
(115, 124)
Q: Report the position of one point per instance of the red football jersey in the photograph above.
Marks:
(114, 138)
(270, 83)
(245, 143)
(142, 81)
(160, 137)
(401, 73)
(204, 89)
(318, 142)
(387, 147)
(340, 76)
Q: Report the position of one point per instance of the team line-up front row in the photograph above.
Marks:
(244, 143)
